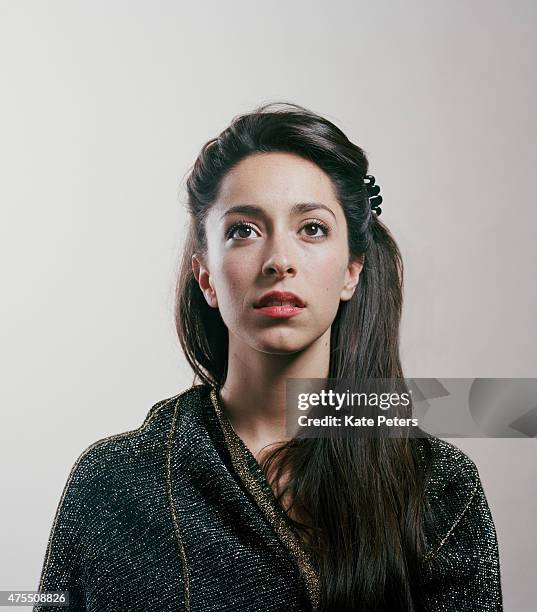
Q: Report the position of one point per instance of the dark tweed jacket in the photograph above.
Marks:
(178, 515)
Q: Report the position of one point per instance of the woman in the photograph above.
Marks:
(209, 506)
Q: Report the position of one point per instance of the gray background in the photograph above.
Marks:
(104, 107)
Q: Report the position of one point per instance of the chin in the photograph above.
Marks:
(281, 342)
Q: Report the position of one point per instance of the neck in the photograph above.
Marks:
(253, 395)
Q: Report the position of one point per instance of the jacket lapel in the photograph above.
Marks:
(231, 556)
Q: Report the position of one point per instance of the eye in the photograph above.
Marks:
(242, 230)
(242, 226)
(317, 224)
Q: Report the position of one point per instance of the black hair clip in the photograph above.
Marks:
(375, 200)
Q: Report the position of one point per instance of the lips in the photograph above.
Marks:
(280, 298)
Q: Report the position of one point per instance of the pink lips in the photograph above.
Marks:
(289, 305)
(279, 311)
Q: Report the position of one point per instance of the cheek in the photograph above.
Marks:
(327, 275)
(233, 282)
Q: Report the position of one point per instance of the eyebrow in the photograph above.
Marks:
(257, 211)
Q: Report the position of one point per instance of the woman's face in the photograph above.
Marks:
(275, 245)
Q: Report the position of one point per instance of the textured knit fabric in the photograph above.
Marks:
(161, 518)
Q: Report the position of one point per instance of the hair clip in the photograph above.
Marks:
(373, 193)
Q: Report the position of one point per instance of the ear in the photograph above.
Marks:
(202, 275)
(352, 276)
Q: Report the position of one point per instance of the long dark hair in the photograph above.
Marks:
(364, 498)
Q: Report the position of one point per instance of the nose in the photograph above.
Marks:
(278, 265)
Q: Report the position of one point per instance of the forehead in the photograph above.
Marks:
(275, 179)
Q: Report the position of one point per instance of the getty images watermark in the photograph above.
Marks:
(412, 407)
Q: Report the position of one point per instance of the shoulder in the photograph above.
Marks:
(112, 482)
(125, 446)
(111, 468)
(458, 514)
(462, 556)
(112, 460)
(453, 472)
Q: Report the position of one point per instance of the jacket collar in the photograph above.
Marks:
(223, 515)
